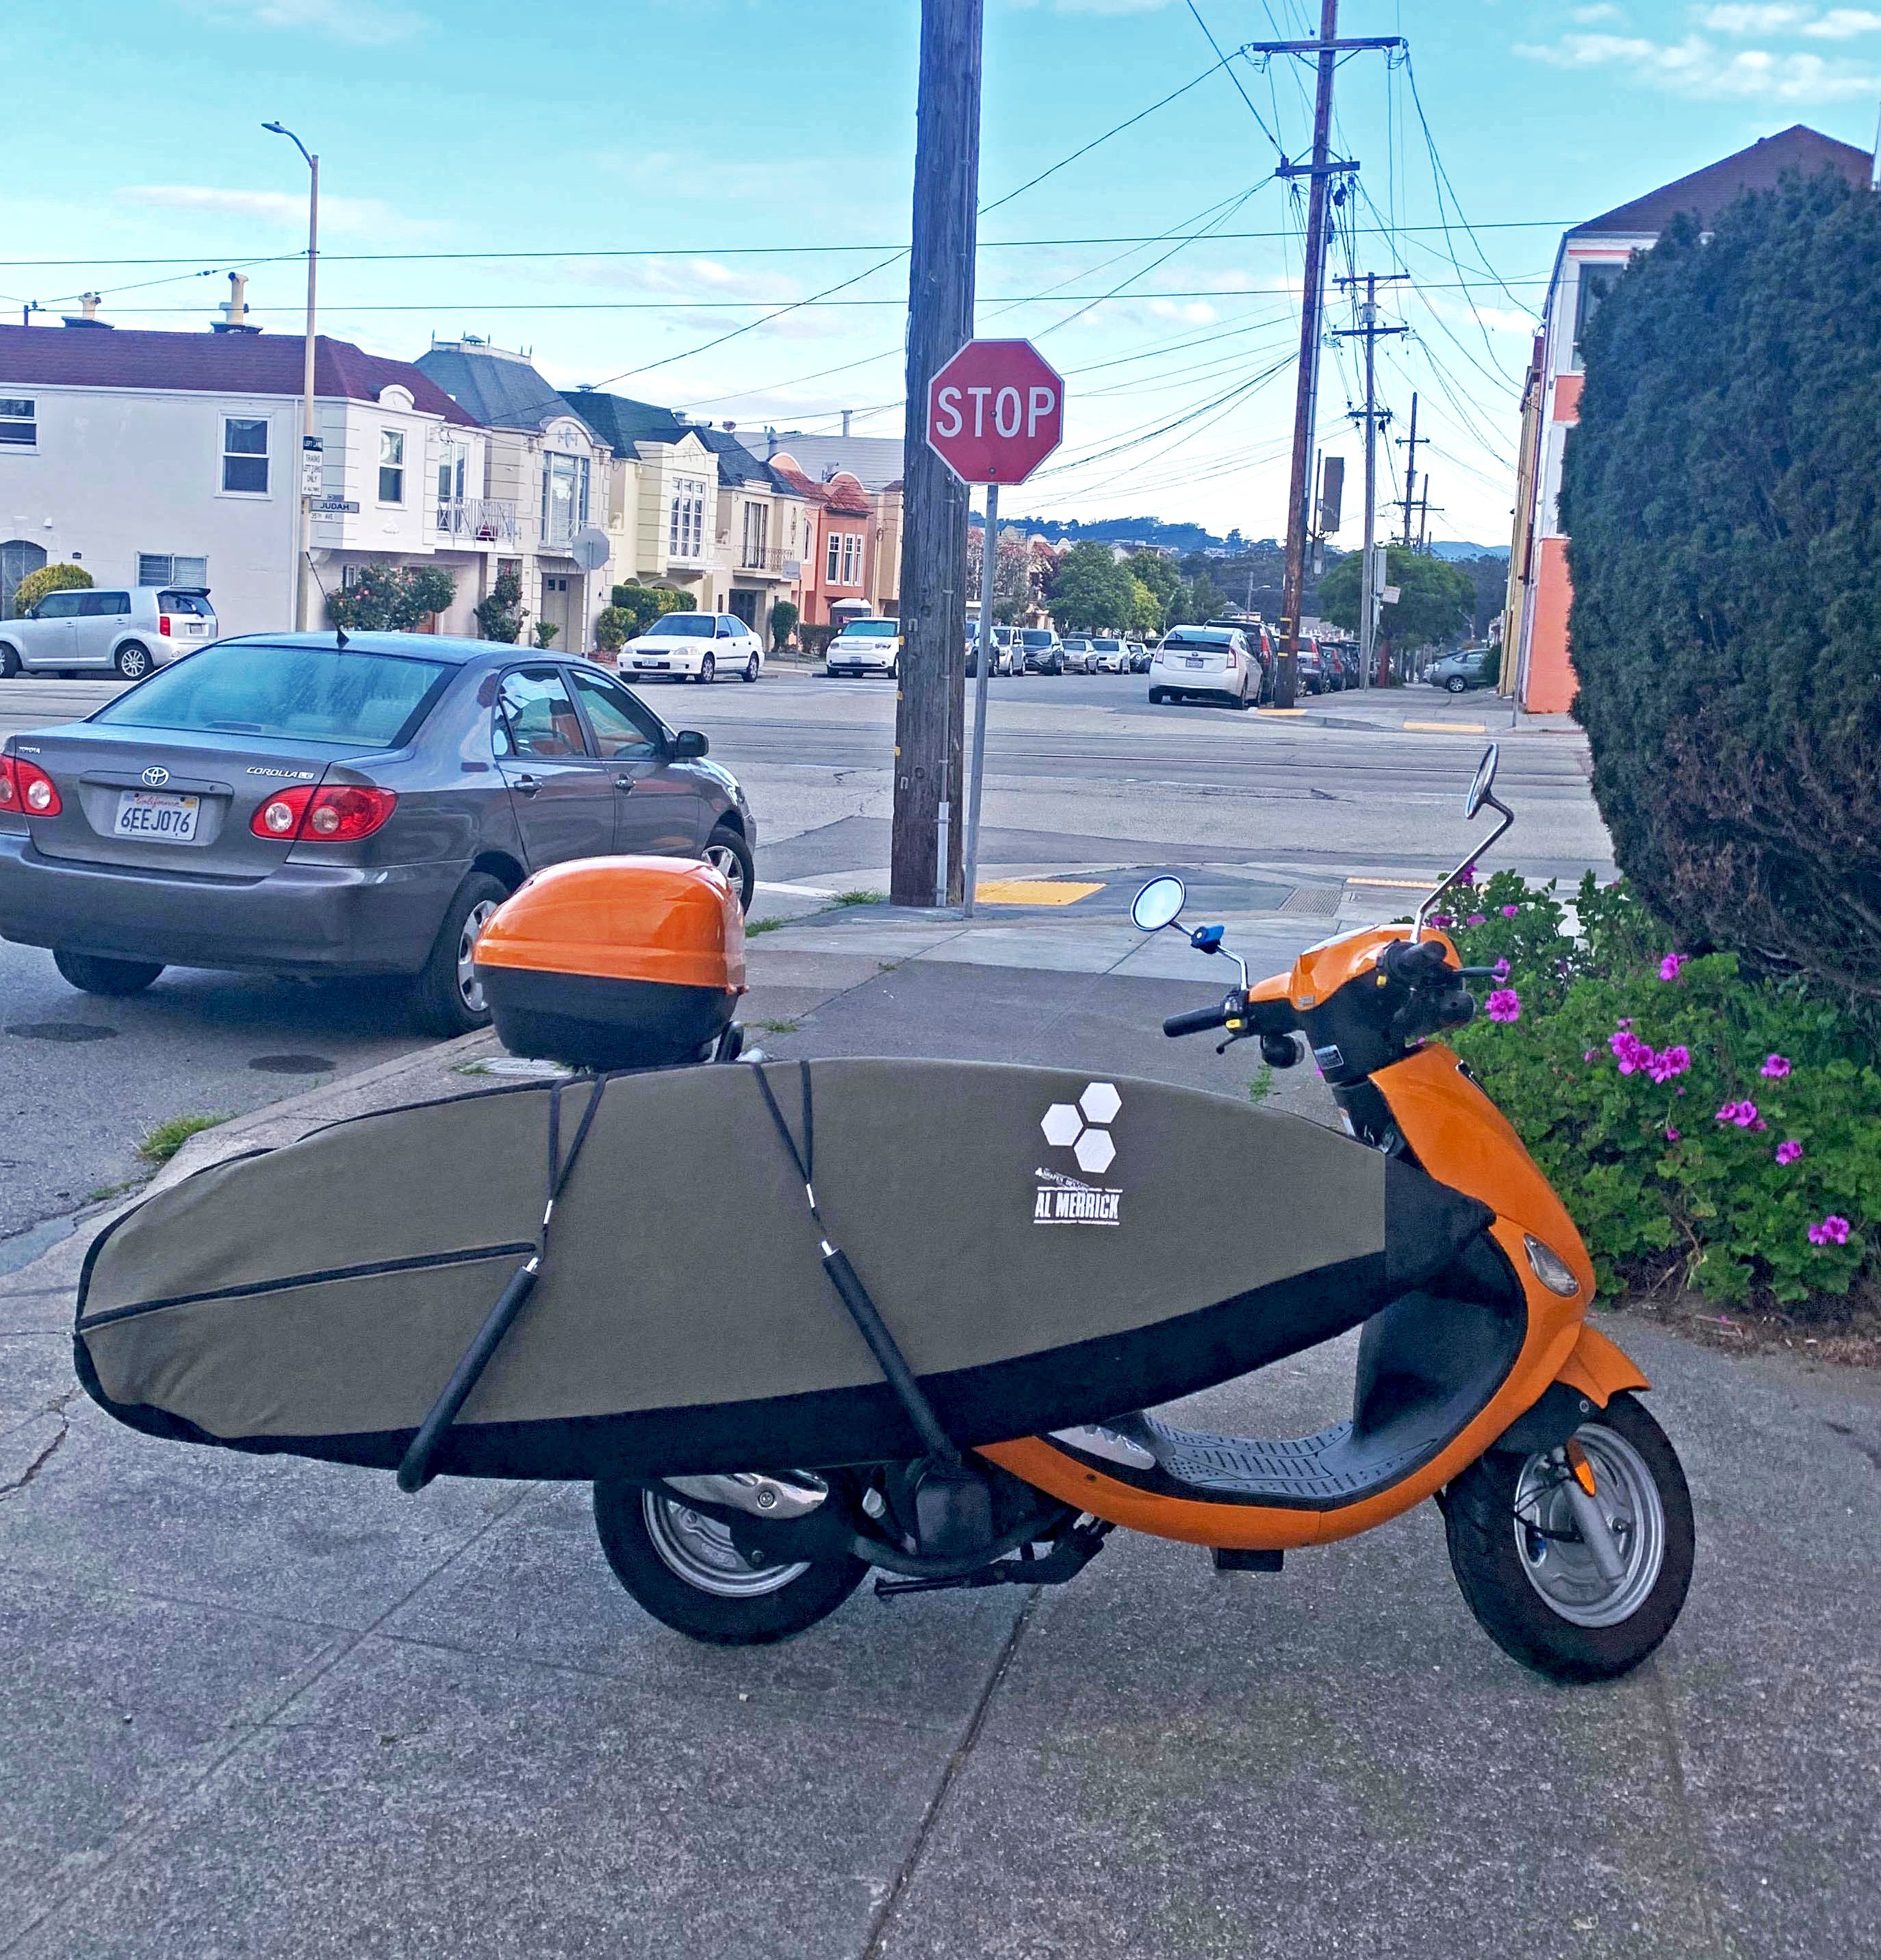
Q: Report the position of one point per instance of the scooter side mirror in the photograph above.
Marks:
(1483, 781)
(1158, 904)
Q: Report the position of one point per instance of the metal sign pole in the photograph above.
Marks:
(983, 668)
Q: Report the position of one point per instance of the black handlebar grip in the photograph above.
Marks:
(1198, 1020)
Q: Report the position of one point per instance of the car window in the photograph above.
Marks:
(623, 730)
(536, 715)
(1035, 636)
(191, 603)
(310, 694)
(102, 605)
(683, 626)
(58, 606)
(727, 628)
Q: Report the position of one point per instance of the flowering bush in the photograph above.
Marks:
(1700, 1127)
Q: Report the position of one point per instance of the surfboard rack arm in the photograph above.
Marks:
(417, 1468)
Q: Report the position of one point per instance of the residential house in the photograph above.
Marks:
(874, 463)
(837, 562)
(549, 476)
(714, 520)
(173, 458)
(1591, 256)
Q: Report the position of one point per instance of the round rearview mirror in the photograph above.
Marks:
(1158, 904)
(1484, 781)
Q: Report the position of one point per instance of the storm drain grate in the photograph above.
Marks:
(293, 1064)
(61, 1031)
(1316, 901)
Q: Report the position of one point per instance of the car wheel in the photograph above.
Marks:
(708, 667)
(1156, 697)
(447, 998)
(1456, 685)
(91, 974)
(895, 668)
(133, 660)
(9, 662)
(727, 852)
(750, 668)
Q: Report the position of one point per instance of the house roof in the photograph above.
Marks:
(1707, 191)
(875, 461)
(210, 363)
(499, 388)
(621, 421)
(842, 495)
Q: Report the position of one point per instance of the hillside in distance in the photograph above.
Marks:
(1185, 538)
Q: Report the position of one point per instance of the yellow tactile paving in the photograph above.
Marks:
(1031, 891)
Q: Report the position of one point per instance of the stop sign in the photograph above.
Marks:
(995, 411)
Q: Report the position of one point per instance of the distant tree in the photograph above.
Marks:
(1488, 575)
(1091, 589)
(1157, 571)
(1013, 593)
(1205, 599)
(1435, 600)
(500, 616)
(390, 598)
(35, 585)
(784, 622)
(643, 604)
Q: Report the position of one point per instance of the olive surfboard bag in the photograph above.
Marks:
(1044, 1249)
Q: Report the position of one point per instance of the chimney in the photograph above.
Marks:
(235, 308)
(770, 442)
(846, 414)
(88, 312)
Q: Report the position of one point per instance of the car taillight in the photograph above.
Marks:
(339, 813)
(26, 789)
(162, 624)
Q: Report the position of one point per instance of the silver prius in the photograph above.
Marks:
(295, 805)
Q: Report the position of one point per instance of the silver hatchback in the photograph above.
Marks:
(91, 630)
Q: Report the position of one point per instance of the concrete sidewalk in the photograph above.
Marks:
(258, 1706)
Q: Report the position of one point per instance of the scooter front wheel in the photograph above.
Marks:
(682, 1568)
(1523, 1543)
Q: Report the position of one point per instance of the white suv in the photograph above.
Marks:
(693, 646)
(90, 630)
(866, 647)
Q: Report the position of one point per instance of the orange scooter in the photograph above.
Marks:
(1569, 1524)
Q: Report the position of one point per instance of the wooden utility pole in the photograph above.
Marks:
(1306, 385)
(1369, 331)
(1408, 500)
(931, 700)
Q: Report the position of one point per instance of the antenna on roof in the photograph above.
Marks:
(339, 631)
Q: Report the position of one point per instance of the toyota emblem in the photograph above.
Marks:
(155, 777)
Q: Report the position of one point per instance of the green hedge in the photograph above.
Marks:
(1703, 1128)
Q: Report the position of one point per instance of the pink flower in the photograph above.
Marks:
(1441, 921)
(1467, 876)
(1744, 1115)
(1503, 1004)
(1669, 966)
(1775, 1067)
(1590, 1053)
(1475, 918)
(1663, 1066)
(1511, 911)
(1501, 969)
(1628, 1050)
(1672, 1135)
(1832, 1231)
(1788, 1150)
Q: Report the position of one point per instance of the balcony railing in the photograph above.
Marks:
(477, 520)
(776, 563)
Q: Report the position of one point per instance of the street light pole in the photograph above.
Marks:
(303, 527)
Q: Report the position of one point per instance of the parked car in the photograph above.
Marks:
(1077, 653)
(1042, 650)
(1312, 668)
(1107, 656)
(1468, 667)
(866, 646)
(131, 633)
(693, 646)
(279, 804)
(1005, 640)
(1138, 656)
(1211, 662)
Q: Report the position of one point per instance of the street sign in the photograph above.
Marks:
(590, 548)
(333, 507)
(995, 411)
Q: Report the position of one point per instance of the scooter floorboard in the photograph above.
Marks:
(1327, 1468)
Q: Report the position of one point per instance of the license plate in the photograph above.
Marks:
(1192, 659)
(195, 626)
(659, 666)
(157, 818)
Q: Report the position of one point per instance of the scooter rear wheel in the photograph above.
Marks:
(680, 1565)
(1531, 1579)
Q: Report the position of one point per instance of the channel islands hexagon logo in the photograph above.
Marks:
(1082, 1128)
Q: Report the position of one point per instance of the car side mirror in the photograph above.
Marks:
(688, 745)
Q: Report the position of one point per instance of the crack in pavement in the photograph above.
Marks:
(56, 1407)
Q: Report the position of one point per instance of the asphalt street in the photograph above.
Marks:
(1082, 771)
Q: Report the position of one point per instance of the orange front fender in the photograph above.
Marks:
(1598, 1369)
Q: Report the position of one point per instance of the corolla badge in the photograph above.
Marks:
(155, 777)
(1083, 1128)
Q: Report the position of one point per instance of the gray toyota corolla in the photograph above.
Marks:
(300, 806)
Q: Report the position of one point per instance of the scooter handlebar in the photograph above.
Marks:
(1199, 1020)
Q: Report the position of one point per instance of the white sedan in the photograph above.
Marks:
(693, 646)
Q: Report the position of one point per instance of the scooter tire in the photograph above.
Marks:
(1487, 1554)
(798, 1595)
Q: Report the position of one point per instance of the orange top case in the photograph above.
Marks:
(662, 919)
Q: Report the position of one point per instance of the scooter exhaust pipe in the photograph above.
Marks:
(746, 1491)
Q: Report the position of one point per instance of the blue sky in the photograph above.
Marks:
(693, 135)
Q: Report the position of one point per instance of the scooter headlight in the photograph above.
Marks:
(1549, 1267)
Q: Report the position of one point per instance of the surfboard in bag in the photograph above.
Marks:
(1045, 1248)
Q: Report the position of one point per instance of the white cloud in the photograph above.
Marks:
(1743, 20)
(1696, 67)
(1189, 313)
(365, 23)
(1844, 23)
(1593, 17)
(1497, 319)
(363, 215)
